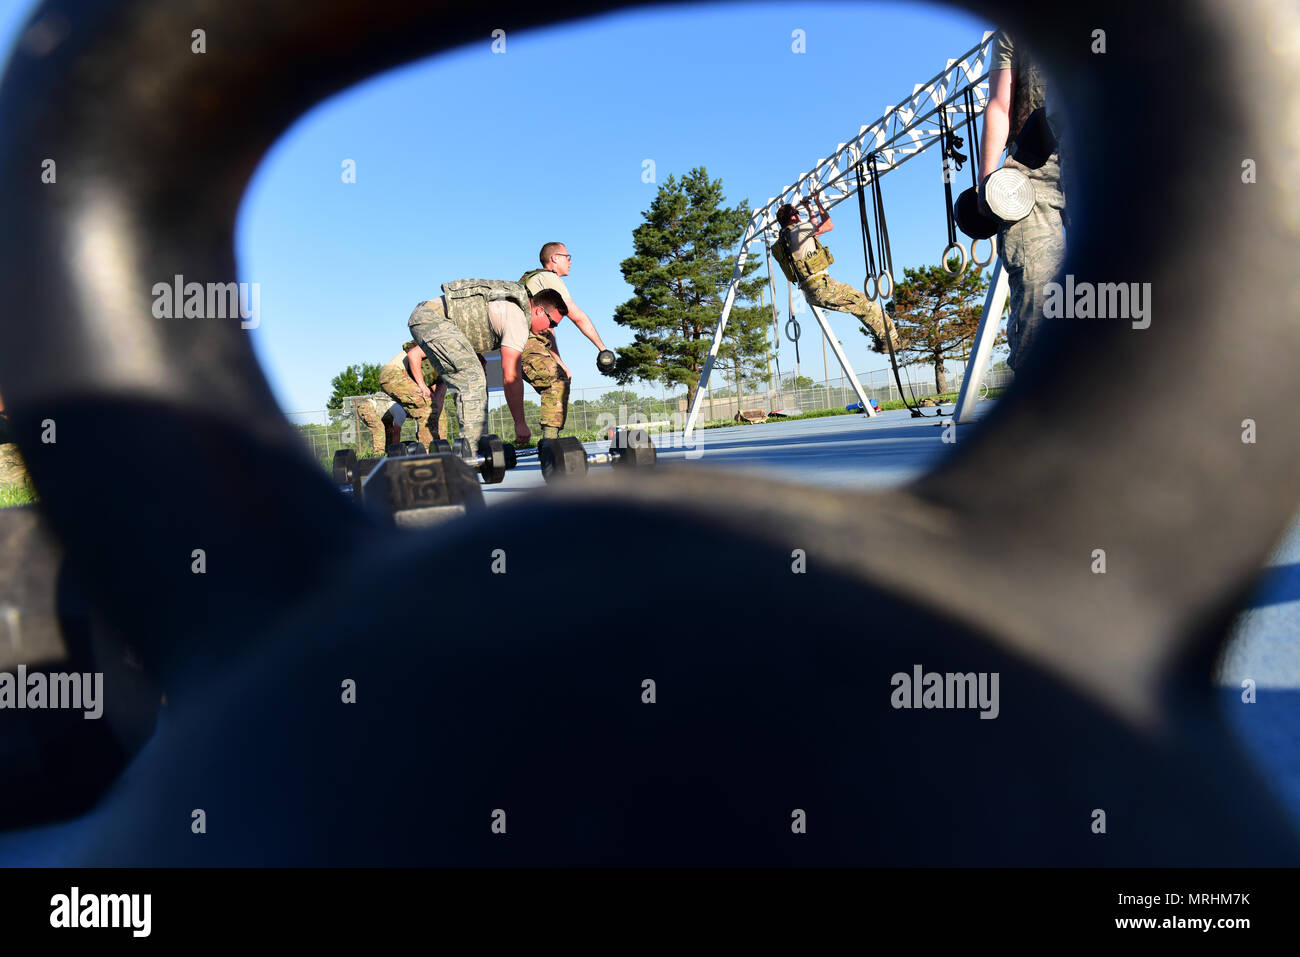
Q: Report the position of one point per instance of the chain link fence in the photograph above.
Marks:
(326, 431)
(594, 410)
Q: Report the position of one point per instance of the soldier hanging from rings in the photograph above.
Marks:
(805, 260)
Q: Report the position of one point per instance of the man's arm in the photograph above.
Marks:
(514, 388)
(585, 325)
(997, 120)
(415, 368)
(824, 224)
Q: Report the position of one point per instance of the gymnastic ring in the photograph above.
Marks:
(964, 258)
(880, 286)
(993, 251)
(875, 288)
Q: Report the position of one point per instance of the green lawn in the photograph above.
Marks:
(16, 495)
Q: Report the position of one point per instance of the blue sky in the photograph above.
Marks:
(561, 123)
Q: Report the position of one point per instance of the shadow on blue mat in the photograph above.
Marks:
(1269, 732)
(1280, 584)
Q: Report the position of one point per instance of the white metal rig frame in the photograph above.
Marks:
(896, 137)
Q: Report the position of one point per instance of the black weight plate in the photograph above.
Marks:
(560, 457)
(492, 451)
(345, 465)
(633, 448)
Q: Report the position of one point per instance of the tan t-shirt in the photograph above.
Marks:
(549, 280)
(800, 240)
(509, 322)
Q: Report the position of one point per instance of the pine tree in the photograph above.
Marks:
(940, 314)
(679, 274)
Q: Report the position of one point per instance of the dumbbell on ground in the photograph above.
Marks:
(412, 489)
(493, 460)
(350, 472)
(566, 456)
(405, 448)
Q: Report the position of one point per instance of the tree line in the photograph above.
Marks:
(683, 258)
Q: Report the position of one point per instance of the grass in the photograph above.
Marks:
(17, 495)
(596, 435)
(947, 398)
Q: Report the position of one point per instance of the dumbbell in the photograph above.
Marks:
(493, 460)
(566, 456)
(405, 448)
(350, 472)
(409, 487)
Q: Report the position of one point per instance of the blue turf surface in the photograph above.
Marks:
(849, 451)
(852, 452)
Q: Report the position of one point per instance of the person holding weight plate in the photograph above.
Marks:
(1032, 248)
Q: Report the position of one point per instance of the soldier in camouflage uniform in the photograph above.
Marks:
(804, 255)
(1033, 249)
(474, 317)
(415, 395)
(544, 370)
(383, 417)
(13, 471)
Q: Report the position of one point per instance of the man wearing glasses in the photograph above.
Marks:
(542, 365)
(473, 317)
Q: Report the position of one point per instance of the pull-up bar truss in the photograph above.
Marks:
(899, 135)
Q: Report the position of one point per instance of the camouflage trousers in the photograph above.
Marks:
(377, 413)
(13, 471)
(827, 293)
(546, 376)
(398, 385)
(457, 364)
(1032, 252)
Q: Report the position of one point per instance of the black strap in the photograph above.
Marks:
(793, 337)
(886, 265)
(949, 142)
(882, 227)
(973, 134)
(868, 250)
(776, 312)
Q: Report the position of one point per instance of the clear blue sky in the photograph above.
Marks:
(568, 114)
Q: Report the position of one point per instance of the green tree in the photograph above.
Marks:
(619, 397)
(360, 379)
(939, 314)
(679, 273)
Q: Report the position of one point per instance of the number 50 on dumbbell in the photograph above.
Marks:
(413, 488)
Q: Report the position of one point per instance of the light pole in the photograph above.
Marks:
(841, 342)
